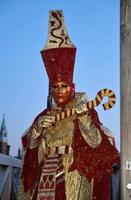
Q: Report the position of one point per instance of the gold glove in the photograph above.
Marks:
(81, 109)
(46, 121)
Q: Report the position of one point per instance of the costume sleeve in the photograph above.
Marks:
(22, 192)
(33, 155)
(89, 131)
(109, 134)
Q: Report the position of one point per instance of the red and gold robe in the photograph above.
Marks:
(71, 160)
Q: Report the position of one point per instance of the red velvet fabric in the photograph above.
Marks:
(59, 63)
(60, 191)
(30, 169)
(101, 188)
(94, 163)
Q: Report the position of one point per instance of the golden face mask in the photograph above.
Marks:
(61, 92)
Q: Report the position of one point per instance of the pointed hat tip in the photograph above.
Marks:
(57, 32)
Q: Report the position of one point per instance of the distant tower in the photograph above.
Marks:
(19, 153)
(4, 147)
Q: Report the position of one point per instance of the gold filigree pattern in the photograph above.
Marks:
(22, 195)
(67, 161)
(77, 187)
(34, 135)
(85, 192)
(90, 133)
(33, 143)
(72, 185)
(41, 151)
(61, 134)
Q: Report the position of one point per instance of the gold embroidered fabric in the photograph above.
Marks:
(33, 140)
(85, 191)
(90, 133)
(77, 187)
(67, 161)
(23, 195)
(72, 185)
(61, 133)
(41, 151)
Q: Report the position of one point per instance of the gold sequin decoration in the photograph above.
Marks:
(22, 195)
(61, 133)
(72, 185)
(77, 187)
(41, 151)
(89, 132)
(85, 192)
(67, 161)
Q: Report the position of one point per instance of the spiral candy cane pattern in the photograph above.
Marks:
(99, 97)
(91, 104)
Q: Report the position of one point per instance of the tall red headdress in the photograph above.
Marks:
(59, 52)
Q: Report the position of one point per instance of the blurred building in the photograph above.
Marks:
(4, 147)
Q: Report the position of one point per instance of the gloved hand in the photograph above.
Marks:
(81, 109)
(46, 121)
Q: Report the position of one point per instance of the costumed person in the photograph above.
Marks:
(66, 153)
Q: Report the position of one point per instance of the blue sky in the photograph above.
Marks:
(93, 26)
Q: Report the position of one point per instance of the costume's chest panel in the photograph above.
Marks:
(61, 134)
